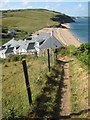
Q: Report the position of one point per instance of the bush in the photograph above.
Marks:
(83, 53)
(66, 50)
(14, 58)
(6, 66)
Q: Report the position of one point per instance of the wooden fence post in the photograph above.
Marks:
(48, 59)
(27, 81)
(55, 54)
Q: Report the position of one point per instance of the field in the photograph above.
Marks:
(28, 20)
(14, 89)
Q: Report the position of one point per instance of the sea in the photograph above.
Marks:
(80, 30)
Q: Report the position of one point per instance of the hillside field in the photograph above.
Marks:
(29, 21)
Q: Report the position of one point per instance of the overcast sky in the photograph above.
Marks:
(70, 7)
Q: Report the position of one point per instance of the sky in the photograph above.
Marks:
(69, 7)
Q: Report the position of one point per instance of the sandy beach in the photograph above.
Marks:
(64, 36)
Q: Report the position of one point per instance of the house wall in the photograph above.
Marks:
(22, 51)
(2, 55)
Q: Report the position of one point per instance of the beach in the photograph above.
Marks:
(64, 36)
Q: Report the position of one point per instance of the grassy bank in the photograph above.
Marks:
(14, 94)
(79, 88)
(79, 78)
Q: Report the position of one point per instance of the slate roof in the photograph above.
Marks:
(41, 37)
(31, 46)
(12, 43)
(27, 45)
(10, 50)
(51, 42)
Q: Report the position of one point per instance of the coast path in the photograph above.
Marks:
(65, 101)
(65, 106)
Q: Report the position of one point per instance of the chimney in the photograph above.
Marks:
(52, 33)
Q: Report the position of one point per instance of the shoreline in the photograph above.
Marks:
(67, 37)
(67, 25)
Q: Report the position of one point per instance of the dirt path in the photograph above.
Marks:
(65, 101)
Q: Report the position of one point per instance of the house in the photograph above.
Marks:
(4, 53)
(39, 40)
(9, 51)
(26, 47)
(12, 32)
(38, 43)
(46, 41)
(11, 43)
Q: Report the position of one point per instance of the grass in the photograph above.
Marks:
(14, 95)
(79, 86)
(30, 20)
(44, 86)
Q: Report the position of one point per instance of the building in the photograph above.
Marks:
(37, 44)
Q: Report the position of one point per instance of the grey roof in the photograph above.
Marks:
(51, 42)
(31, 46)
(41, 37)
(9, 50)
(12, 43)
(26, 45)
(20, 42)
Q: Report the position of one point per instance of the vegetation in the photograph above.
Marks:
(79, 88)
(44, 85)
(29, 21)
(14, 97)
(79, 72)
(82, 52)
(7, 36)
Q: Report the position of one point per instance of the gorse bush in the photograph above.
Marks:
(83, 53)
(16, 58)
(66, 50)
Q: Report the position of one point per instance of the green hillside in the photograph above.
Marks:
(27, 21)
(32, 20)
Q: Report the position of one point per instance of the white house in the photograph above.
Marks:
(12, 32)
(2, 53)
(41, 42)
(25, 47)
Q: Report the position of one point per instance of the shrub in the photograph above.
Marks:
(14, 58)
(6, 65)
(83, 53)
